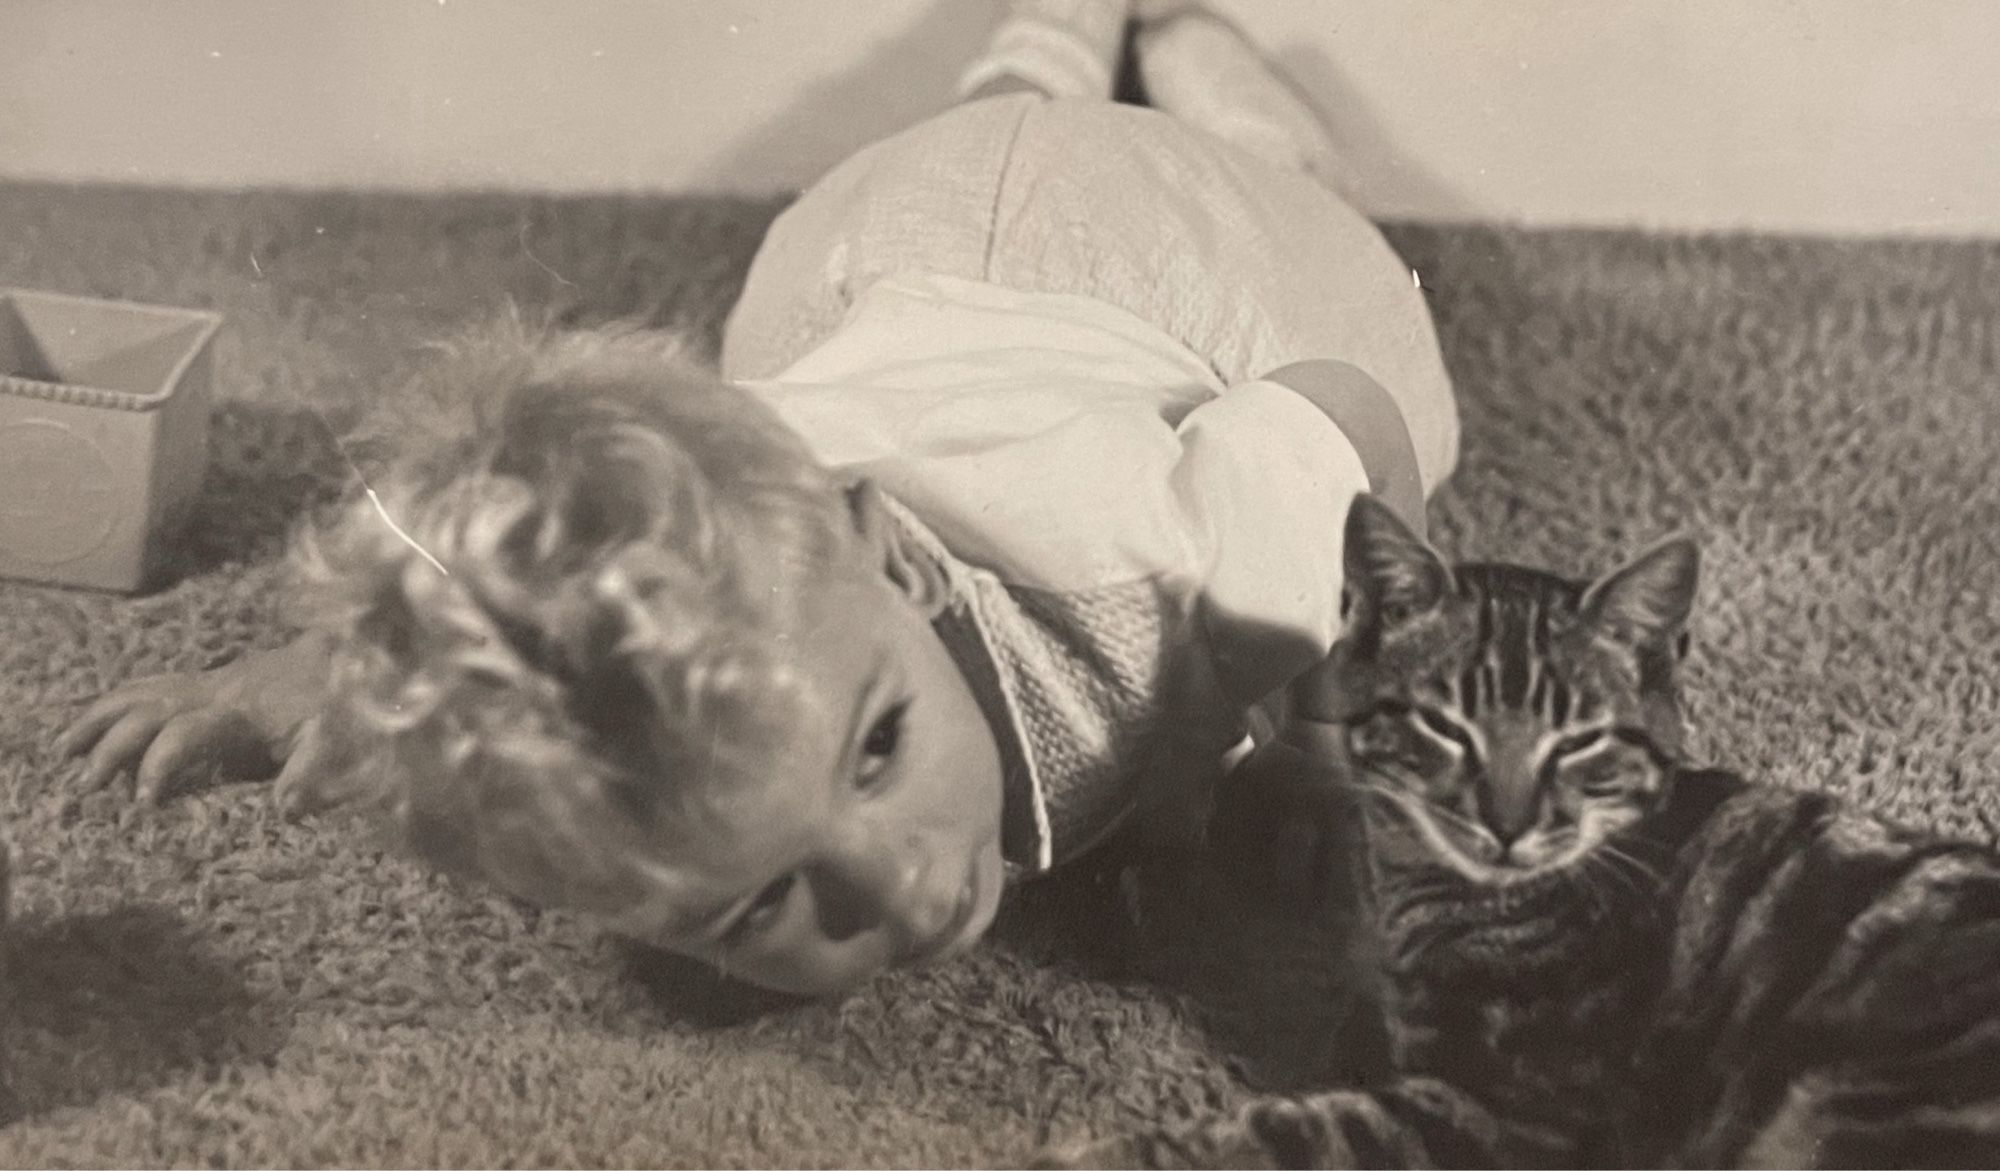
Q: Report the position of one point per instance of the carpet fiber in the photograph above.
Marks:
(209, 985)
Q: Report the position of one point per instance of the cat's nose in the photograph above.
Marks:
(1514, 850)
(1508, 808)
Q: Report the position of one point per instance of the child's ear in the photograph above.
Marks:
(1390, 569)
(919, 577)
(1646, 601)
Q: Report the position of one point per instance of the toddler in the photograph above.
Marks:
(1021, 487)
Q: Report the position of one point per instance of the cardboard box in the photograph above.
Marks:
(103, 436)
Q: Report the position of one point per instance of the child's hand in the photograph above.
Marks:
(242, 719)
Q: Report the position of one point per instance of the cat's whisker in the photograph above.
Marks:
(1385, 799)
(1583, 875)
(1611, 852)
(1456, 819)
(1622, 877)
(1638, 879)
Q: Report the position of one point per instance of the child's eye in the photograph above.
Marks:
(881, 743)
(762, 909)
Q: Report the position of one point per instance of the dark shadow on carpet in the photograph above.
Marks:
(116, 1003)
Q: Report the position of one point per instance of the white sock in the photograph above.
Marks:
(1065, 48)
(1202, 70)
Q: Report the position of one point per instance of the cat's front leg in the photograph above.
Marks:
(1223, 1141)
(1414, 1122)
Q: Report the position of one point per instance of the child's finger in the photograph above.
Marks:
(126, 740)
(302, 788)
(178, 741)
(101, 714)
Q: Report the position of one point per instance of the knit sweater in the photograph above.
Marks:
(1136, 553)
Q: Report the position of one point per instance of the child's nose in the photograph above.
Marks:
(877, 881)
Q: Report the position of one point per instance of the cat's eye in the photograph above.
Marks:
(1388, 735)
(884, 735)
(762, 910)
(1378, 738)
(1441, 727)
(1395, 613)
(1605, 786)
(1580, 743)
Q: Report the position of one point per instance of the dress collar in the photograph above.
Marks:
(1026, 837)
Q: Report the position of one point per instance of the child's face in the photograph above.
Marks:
(866, 835)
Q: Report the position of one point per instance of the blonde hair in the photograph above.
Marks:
(564, 600)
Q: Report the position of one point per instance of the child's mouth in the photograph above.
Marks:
(957, 934)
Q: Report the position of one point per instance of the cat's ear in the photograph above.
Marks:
(1390, 569)
(1646, 601)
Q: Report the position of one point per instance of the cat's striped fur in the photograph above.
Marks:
(1595, 954)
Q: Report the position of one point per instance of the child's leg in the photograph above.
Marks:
(1200, 69)
(1057, 48)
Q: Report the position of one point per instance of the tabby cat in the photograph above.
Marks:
(1592, 953)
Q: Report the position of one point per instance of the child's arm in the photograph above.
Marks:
(1264, 474)
(259, 711)
(1372, 422)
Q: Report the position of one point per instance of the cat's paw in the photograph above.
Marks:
(1079, 1155)
(1222, 1142)
(1134, 1150)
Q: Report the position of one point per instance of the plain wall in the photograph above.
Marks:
(1870, 116)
